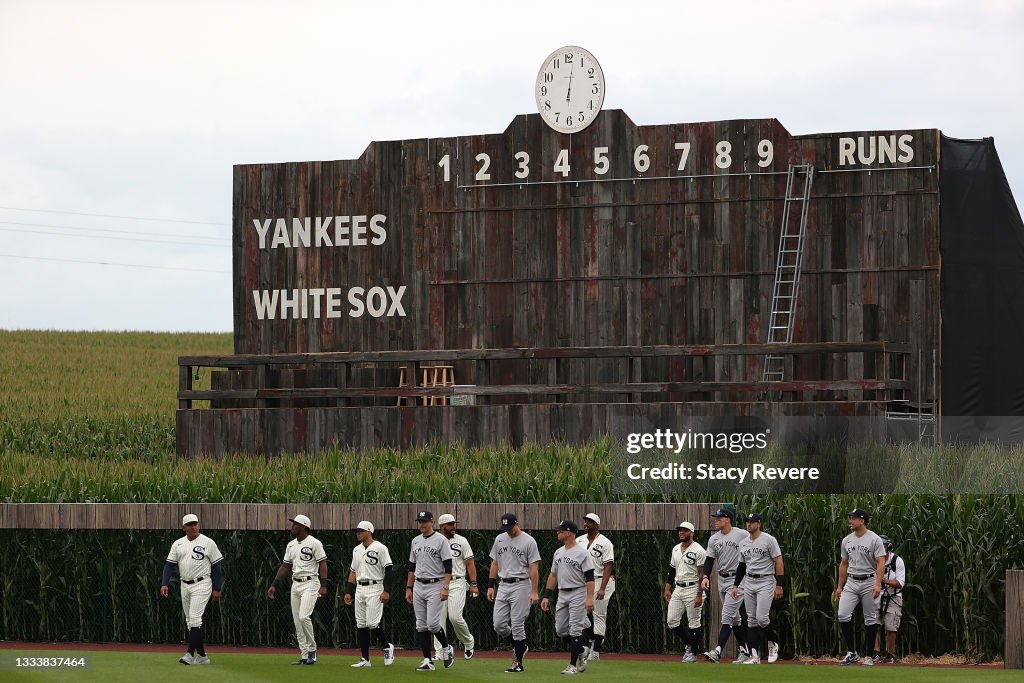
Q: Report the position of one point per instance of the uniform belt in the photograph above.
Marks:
(201, 578)
(456, 578)
(758, 576)
(302, 579)
(726, 575)
(860, 577)
(504, 580)
(427, 580)
(368, 583)
(686, 584)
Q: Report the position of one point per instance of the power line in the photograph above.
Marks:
(123, 265)
(107, 215)
(111, 237)
(120, 232)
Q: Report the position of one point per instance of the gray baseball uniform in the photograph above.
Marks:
(428, 553)
(512, 602)
(861, 554)
(570, 566)
(759, 554)
(726, 551)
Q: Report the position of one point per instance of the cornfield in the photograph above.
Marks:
(89, 417)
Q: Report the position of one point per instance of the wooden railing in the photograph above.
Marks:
(888, 362)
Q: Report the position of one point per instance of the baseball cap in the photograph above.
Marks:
(446, 519)
(508, 520)
(189, 519)
(301, 519)
(424, 516)
(593, 518)
(686, 525)
(754, 517)
(722, 512)
(859, 512)
(364, 526)
(885, 540)
(569, 525)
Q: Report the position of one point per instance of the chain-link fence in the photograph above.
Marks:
(104, 586)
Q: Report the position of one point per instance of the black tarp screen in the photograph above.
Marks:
(981, 241)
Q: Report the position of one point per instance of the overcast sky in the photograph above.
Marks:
(139, 109)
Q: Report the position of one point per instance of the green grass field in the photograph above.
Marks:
(131, 667)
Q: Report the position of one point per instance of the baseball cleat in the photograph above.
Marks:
(389, 654)
(584, 658)
(689, 658)
(850, 658)
(595, 656)
(311, 658)
(302, 661)
(741, 658)
(569, 670)
(516, 668)
(468, 654)
(773, 652)
(436, 657)
(200, 659)
(712, 656)
(868, 661)
(889, 659)
(186, 658)
(449, 656)
(427, 665)
(753, 660)
(361, 663)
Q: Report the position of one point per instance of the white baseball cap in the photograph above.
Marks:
(686, 525)
(301, 519)
(189, 519)
(364, 526)
(446, 519)
(593, 518)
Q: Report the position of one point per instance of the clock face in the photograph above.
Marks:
(570, 89)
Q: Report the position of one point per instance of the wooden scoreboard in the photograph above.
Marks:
(561, 279)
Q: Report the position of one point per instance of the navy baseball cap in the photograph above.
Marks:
(754, 517)
(568, 525)
(424, 516)
(859, 513)
(508, 520)
(885, 540)
(722, 512)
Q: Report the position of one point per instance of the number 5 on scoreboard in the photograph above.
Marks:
(684, 147)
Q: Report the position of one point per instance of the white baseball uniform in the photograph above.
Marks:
(686, 561)
(304, 558)
(602, 551)
(369, 563)
(195, 560)
(453, 607)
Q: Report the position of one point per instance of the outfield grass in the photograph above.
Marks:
(131, 667)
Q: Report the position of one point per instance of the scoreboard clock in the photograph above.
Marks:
(570, 89)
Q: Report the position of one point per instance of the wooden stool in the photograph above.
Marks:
(437, 376)
(402, 383)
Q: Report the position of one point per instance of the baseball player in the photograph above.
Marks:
(860, 581)
(724, 545)
(572, 570)
(463, 578)
(514, 571)
(197, 558)
(603, 552)
(682, 590)
(307, 561)
(369, 580)
(430, 572)
(891, 602)
(760, 572)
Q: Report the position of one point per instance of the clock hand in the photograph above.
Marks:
(568, 93)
